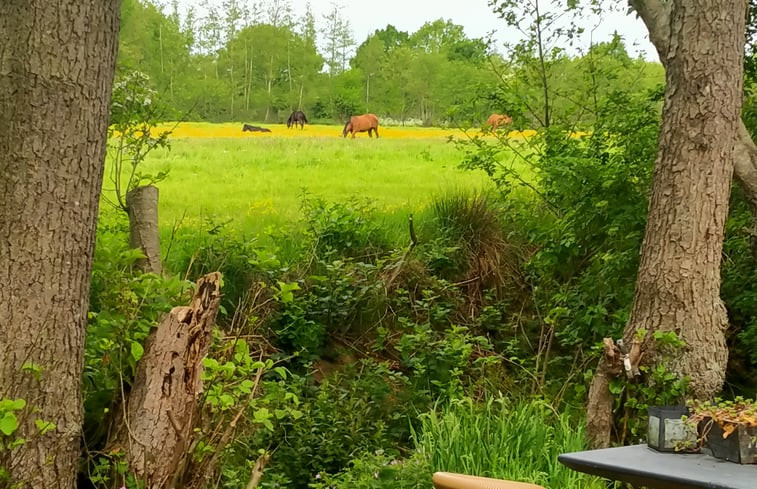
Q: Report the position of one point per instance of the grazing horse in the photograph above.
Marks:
(496, 120)
(361, 123)
(249, 128)
(297, 116)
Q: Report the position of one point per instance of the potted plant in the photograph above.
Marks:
(729, 428)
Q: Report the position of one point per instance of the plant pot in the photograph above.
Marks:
(667, 432)
(740, 446)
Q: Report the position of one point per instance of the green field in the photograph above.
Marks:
(256, 183)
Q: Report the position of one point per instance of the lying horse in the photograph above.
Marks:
(496, 120)
(249, 128)
(361, 123)
(297, 116)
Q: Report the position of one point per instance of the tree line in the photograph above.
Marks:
(231, 62)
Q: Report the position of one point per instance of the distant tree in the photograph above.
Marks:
(369, 58)
(279, 13)
(56, 73)
(338, 36)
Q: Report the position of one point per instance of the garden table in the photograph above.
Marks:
(641, 466)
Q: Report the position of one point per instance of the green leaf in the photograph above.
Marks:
(281, 371)
(32, 368)
(280, 413)
(226, 400)
(136, 351)
(286, 291)
(12, 404)
(262, 414)
(246, 386)
(8, 424)
(44, 426)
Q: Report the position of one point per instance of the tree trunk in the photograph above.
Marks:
(678, 285)
(142, 203)
(56, 73)
(160, 410)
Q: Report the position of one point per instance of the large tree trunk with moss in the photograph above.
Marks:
(142, 205)
(56, 73)
(678, 285)
(157, 430)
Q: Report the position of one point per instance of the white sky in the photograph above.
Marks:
(477, 18)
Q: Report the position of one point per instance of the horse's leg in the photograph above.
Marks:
(375, 129)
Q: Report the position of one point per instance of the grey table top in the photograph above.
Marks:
(642, 466)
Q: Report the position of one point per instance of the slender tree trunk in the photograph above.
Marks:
(142, 205)
(678, 285)
(542, 65)
(57, 61)
(249, 76)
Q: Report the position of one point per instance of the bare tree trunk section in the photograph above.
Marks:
(599, 407)
(745, 167)
(168, 382)
(57, 61)
(656, 16)
(678, 285)
(142, 203)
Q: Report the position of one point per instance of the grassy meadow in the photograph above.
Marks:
(255, 181)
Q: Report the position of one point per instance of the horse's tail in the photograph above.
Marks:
(345, 130)
(305, 119)
(289, 121)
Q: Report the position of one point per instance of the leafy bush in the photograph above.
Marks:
(739, 292)
(125, 304)
(242, 261)
(356, 411)
(343, 229)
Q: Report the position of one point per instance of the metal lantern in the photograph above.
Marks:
(667, 432)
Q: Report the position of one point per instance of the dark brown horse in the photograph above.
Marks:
(250, 128)
(297, 117)
(361, 123)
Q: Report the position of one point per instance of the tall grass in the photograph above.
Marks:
(505, 440)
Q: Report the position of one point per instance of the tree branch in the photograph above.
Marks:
(745, 166)
(656, 16)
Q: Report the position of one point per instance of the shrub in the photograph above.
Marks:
(125, 304)
(343, 229)
(351, 413)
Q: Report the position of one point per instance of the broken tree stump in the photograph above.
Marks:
(157, 429)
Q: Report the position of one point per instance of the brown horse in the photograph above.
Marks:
(496, 120)
(361, 123)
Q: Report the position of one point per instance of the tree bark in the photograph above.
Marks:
(156, 431)
(142, 203)
(57, 61)
(700, 43)
(656, 16)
